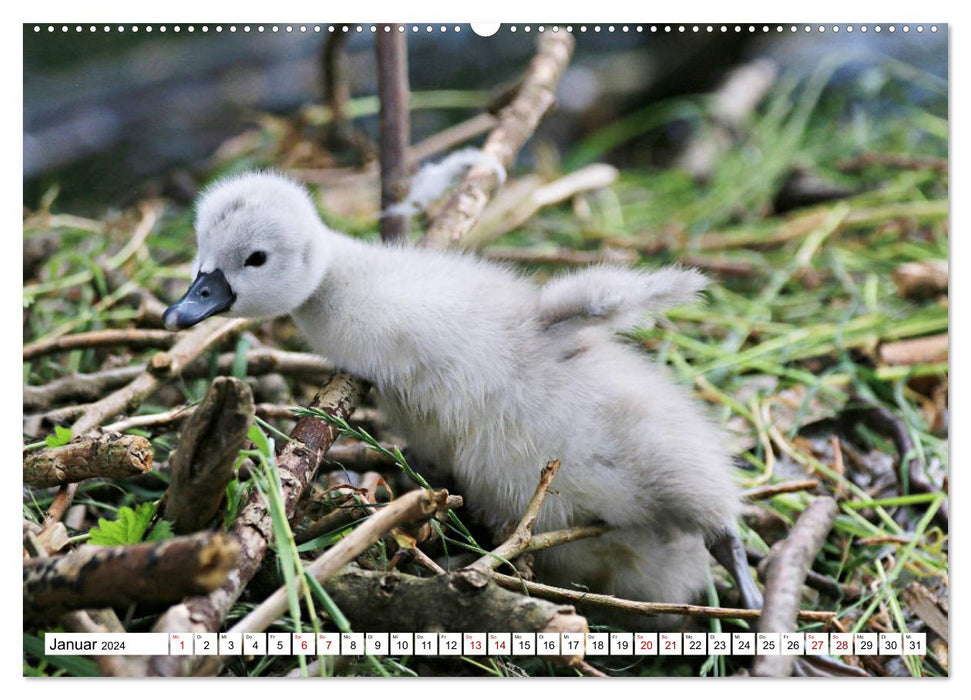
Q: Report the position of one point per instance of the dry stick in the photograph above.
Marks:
(926, 278)
(92, 576)
(203, 463)
(763, 492)
(436, 143)
(560, 256)
(392, 55)
(297, 465)
(359, 456)
(906, 161)
(517, 122)
(641, 607)
(498, 220)
(266, 411)
(166, 365)
(519, 540)
(785, 575)
(110, 456)
(915, 351)
(129, 337)
(89, 387)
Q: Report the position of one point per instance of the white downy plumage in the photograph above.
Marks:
(489, 375)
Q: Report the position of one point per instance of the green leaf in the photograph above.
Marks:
(161, 532)
(61, 436)
(130, 527)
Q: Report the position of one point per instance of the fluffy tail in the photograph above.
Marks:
(617, 297)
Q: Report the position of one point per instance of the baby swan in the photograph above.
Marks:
(489, 376)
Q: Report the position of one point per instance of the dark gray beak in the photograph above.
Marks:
(209, 295)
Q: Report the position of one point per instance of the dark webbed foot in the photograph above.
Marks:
(728, 550)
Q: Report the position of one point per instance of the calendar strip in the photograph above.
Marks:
(487, 644)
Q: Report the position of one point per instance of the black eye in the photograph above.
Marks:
(255, 259)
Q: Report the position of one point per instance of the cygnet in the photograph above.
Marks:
(489, 375)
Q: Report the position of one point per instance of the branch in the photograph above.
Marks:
(110, 456)
(763, 492)
(392, 55)
(93, 576)
(129, 337)
(90, 387)
(203, 463)
(517, 123)
(518, 542)
(641, 607)
(785, 575)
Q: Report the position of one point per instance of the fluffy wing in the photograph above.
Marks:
(616, 297)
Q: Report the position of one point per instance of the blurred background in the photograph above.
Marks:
(107, 113)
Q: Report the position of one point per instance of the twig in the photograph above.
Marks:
(392, 55)
(763, 492)
(559, 256)
(519, 540)
(917, 280)
(496, 221)
(517, 123)
(360, 456)
(545, 540)
(93, 576)
(202, 464)
(786, 572)
(129, 337)
(907, 161)
(641, 607)
(110, 456)
(89, 387)
(915, 351)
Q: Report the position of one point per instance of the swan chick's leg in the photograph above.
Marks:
(727, 549)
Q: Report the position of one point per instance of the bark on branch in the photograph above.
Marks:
(110, 456)
(517, 122)
(202, 464)
(93, 576)
(785, 575)
(392, 54)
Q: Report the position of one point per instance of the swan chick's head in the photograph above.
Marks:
(262, 251)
